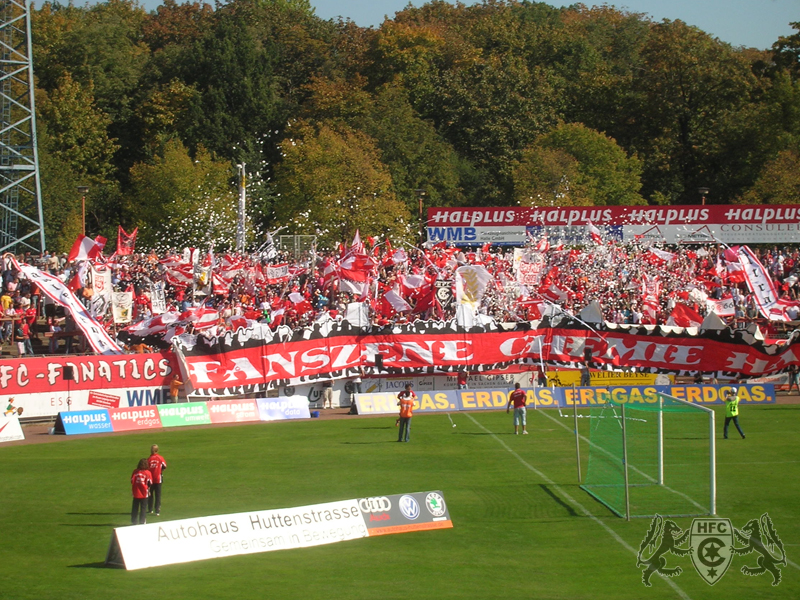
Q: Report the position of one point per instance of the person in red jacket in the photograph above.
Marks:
(141, 480)
(156, 464)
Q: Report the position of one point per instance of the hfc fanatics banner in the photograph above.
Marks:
(52, 287)
(38, 384)
(202, 538)
(247, 359)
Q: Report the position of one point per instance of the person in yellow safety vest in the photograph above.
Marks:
(405, 400)
(732, 412)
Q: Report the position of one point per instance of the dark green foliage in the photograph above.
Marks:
(454, 97)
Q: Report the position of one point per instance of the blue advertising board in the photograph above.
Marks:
(83, 421)
(283, 408)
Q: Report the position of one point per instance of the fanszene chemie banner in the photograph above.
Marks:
(255, 357)
(202, 538)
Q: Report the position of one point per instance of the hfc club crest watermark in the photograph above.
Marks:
(712, 544)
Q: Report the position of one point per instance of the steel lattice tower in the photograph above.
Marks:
(21, 220)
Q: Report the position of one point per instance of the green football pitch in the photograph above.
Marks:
(522, 526)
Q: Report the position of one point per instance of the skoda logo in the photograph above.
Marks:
(435, 504)
(409, 507)
(375, 505)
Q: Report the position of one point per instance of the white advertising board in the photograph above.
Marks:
(10, 429)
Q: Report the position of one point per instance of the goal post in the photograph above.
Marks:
(652, 454)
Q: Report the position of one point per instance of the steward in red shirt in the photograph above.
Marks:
(156, 464)
(141, 480)
(518, 397)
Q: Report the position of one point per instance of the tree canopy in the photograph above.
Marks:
(340, 127)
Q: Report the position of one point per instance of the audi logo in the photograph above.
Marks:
(375, 505)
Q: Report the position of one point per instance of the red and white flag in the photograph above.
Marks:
(396, 301)
(86, 248)
(659, 257)
(594, 233)
(126, 241)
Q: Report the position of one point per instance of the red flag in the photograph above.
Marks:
(683, 316)
(126, 241)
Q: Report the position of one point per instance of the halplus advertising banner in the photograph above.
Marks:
(283, 408)
(184, 414)
(83, 421)
(39, 385)
(668, 224)
(203, 538)
(134, 418)
(233, 411)
(583, 397)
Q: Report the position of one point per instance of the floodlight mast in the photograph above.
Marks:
(21, 216)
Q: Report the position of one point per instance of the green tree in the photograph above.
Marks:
(77, 130)
(691, 86)
(180, 200)
(779, 182)
(331, 183)
(576, 165)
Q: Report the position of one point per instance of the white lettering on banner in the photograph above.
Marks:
(182, 411)
(231, 408)
(188, 540)
(133, 414)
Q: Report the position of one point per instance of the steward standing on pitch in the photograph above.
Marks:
(732, 412)
(156, 464)
(518, 397)
(405, 400)
(141, 480)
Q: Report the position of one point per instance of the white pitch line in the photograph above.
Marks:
(574, 502)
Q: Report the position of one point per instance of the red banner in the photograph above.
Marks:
(424, 348)
(46, 374)
(740, 216)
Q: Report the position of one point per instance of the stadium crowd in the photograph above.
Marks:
(633, 283)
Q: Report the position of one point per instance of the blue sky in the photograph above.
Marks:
(752, 23)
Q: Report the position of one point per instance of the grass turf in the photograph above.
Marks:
(516, 532)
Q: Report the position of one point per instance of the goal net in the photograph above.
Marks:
(669, 447)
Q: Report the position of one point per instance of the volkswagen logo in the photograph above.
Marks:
(375, 505)
(409, 507)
